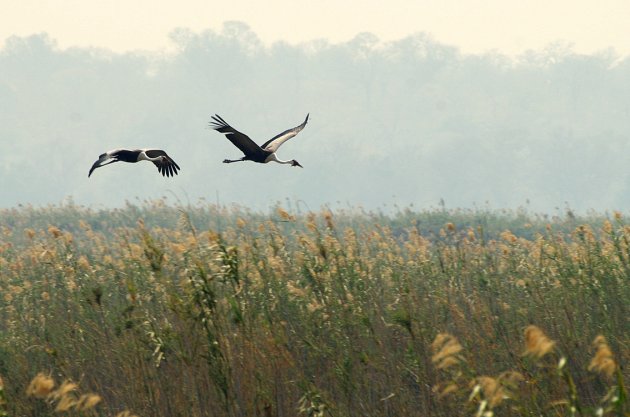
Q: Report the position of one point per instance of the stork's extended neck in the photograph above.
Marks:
(274, 158)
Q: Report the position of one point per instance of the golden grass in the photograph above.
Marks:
(223, 312)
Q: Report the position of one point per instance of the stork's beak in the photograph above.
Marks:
(296, 164)
(96, 165)
(99, 163)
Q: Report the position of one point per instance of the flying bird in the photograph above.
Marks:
(165, 165)
(253, 152)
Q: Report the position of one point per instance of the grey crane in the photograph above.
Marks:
(262, 154)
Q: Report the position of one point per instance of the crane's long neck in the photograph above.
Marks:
(274, 158)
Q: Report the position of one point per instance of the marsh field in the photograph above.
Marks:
(158, 310)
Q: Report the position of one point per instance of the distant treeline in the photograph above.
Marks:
(411, 121)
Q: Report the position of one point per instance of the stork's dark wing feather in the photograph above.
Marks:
(274, 143)
(168, 167)
(240, 140)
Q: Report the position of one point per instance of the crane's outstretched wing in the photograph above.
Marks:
(274, 143)
(168, 167)
(240, 140)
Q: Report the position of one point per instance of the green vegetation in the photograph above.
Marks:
(214, 311)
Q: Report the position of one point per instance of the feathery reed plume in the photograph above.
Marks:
(3, 400)
(537, 344)
(284, 215)
(65, 396)
(492, 390)
(65, 388)
(54, 231)
(603, 361)
(448, 389)
(41, 386)
(445, 351)
(328, 216)
(87, 402)
(65, 403)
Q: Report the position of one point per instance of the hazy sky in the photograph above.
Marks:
(508, 26)
(549, 130)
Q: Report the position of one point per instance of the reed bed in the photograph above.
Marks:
(216, 311)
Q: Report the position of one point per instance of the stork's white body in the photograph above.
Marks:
(165, 165)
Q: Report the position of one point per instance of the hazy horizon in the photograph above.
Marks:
(509, 27)
(400, 122)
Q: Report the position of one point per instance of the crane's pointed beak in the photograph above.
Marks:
(100, 163)
(94, 166)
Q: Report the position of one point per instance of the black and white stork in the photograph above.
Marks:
(165, 165)
(253, 152)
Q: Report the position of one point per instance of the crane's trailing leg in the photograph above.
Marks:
(229, 161)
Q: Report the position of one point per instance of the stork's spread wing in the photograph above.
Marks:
(240, 140)
(274, 143)
(167, 167)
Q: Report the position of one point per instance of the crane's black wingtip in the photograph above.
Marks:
(217, 122)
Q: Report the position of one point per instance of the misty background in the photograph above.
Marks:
(412, 121)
